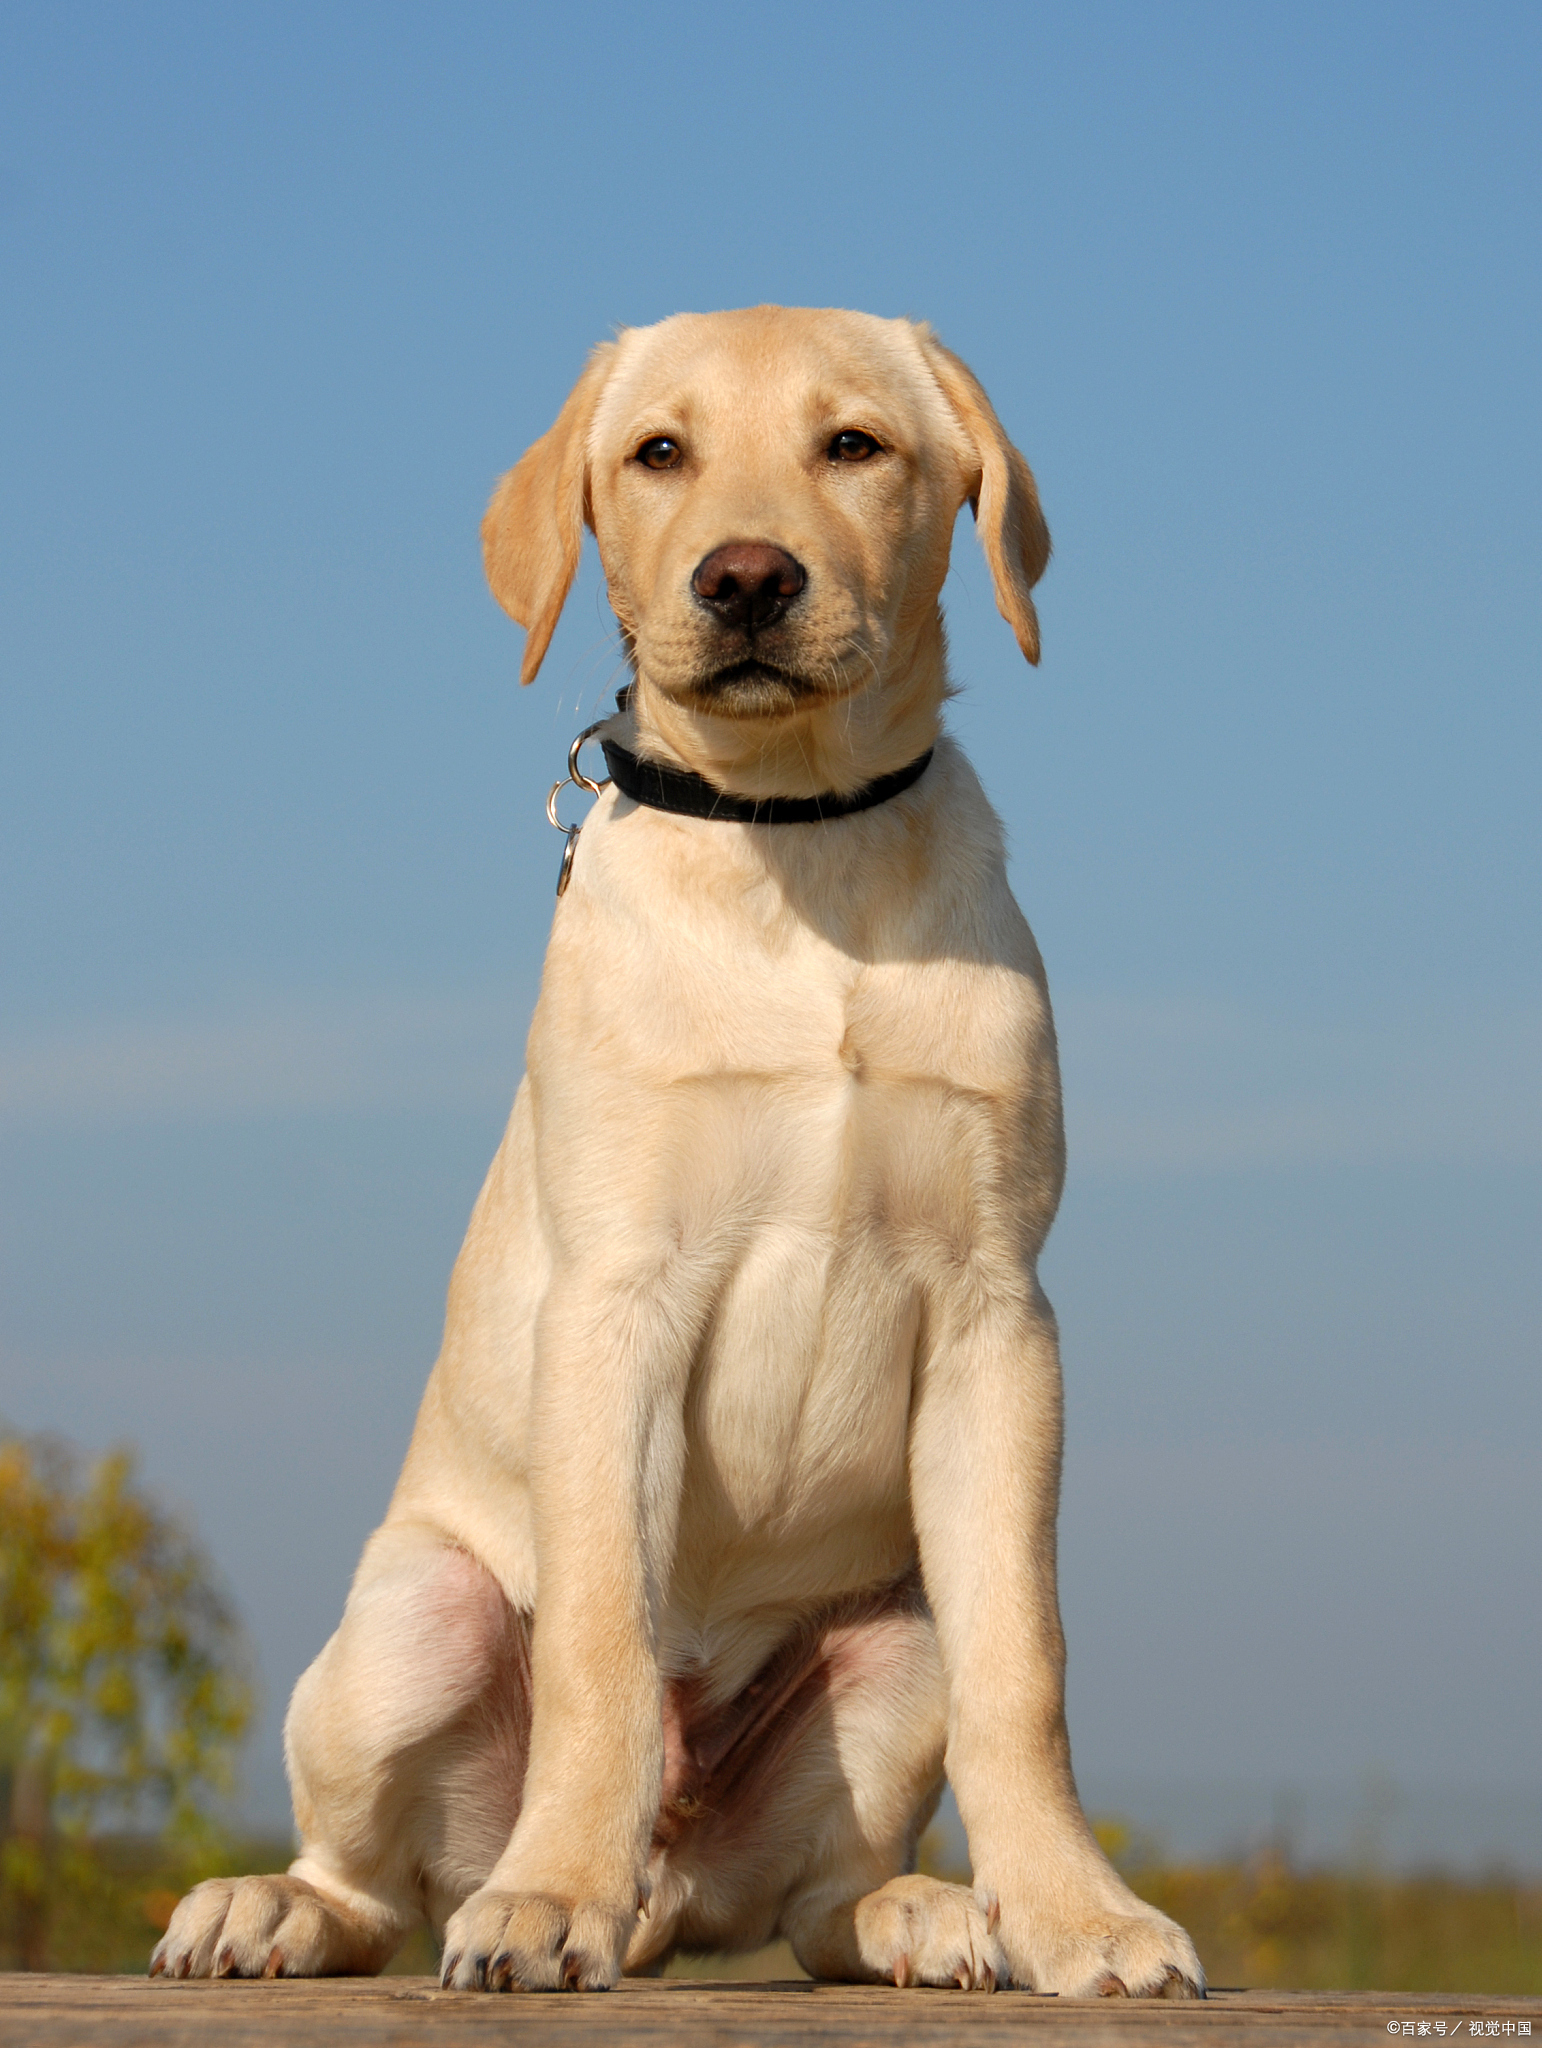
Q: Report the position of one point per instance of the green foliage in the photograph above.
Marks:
(123, 1684)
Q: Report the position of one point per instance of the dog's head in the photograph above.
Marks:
(773, 492)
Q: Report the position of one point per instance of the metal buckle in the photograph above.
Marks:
(579, 780)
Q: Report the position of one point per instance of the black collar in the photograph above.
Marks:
(663, 788)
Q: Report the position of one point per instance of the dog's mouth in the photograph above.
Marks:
(753, 688)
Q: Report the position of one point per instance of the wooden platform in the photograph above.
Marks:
(400, 2012)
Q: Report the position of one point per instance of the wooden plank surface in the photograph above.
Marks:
(401, 2012)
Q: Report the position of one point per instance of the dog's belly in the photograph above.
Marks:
(798, 1412)
(796, 1426)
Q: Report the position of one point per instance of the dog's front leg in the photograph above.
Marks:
(606, 1453)
(985, 1480)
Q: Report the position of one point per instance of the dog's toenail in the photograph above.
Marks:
(1175, 1985)
(1113, 1987)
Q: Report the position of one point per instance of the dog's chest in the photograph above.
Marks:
(849, 1188)
(825, 1137)
(806, 1109)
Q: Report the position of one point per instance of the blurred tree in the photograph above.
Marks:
(123, 1679)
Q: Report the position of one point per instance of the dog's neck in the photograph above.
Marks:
(834, 747)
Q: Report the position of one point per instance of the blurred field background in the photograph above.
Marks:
(1263, 1922)
(1267, 1922)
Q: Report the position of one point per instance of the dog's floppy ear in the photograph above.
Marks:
(1002, 495)
(533, 531)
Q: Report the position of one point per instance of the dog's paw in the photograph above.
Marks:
(534, 1941)
(261, 1927)
(917, 1930)
(1140, 1954)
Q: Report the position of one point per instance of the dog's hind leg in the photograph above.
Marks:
(406, 1743)
(801, 1814)
(857, 1911)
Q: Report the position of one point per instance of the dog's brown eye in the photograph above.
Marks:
(659, 453)
(852, 446)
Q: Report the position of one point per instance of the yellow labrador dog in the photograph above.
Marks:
(728, 1524)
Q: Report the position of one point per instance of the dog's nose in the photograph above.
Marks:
(748, 582)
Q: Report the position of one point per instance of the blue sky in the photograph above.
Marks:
(1256, 289)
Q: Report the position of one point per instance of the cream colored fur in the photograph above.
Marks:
(747, 1319)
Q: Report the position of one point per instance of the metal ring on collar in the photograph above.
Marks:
(579, 780)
